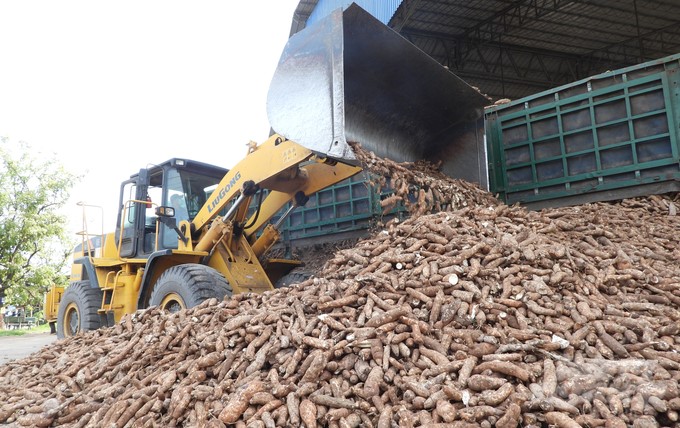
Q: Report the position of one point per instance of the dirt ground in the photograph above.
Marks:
(15, 347)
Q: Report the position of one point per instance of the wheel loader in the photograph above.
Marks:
(187, 231)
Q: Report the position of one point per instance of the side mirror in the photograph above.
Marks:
(166, 215)
(165, 211)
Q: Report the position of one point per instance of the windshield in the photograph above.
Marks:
(187, 193)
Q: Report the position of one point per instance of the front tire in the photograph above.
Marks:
(78, 309)
(188, 285)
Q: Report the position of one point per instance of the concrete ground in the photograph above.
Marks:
(15, 347)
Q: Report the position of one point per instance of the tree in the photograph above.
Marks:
(33, 244)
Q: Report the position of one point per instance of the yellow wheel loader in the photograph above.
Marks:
(185, 232)
(51, 306)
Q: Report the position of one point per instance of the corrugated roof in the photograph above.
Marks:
(514, 48)
(301, 15)
(381, 9)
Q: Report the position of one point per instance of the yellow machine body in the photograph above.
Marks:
(51, 303)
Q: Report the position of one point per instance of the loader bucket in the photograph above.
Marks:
(350, 78)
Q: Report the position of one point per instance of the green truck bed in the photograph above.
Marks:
(610, 136)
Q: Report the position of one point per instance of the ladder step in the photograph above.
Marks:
(110, 287)
(108, 308)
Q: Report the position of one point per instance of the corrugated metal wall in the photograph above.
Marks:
(381, 9)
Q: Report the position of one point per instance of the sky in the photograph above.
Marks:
(109, 87)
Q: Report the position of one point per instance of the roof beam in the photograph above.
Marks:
(536, 61)
(404, 13)
(509, 64)
(633, 48)
(558, 29)
(515, 15)
(462, 47)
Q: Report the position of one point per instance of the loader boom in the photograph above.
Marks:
(275, 165)
(292, 173)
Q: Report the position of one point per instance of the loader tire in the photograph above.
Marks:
(292, 278)
(78, 309)
(188, 285)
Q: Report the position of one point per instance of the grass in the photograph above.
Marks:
(43, 328)
(4, 333)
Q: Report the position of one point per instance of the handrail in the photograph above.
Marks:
(86, 241)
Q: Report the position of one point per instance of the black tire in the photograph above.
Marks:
(78, 309)
(188, 285)
(292, 278)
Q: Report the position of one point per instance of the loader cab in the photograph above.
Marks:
(181, 183)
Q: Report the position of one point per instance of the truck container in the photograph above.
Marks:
(347, 210)
(609, 136)
(342, 211)
(606, 137)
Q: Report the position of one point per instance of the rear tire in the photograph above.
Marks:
(78, 309)
(188, 285)
(292, 278)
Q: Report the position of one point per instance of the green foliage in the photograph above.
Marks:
(4, 333)
(33, 243)
(42, 328)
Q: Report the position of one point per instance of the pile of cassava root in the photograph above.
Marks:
(482, 316)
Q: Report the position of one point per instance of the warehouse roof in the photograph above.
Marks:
(514, 48)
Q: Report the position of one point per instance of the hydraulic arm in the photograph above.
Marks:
(274, 173)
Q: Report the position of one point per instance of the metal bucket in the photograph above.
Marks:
(350, 78)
